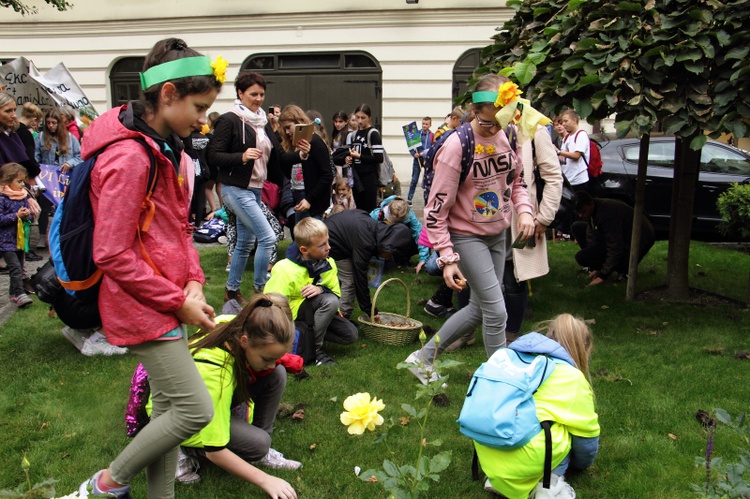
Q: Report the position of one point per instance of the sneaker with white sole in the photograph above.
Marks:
(76, 336)
(21, 300)
(276, 460)
(423, 370)
(187, 468)
(90, 488)
(97, 344)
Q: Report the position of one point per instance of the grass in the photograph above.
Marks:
(657, 364)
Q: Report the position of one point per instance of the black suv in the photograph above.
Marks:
(721, 166)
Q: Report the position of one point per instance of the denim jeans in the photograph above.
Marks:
(251, 224)
(416, 169)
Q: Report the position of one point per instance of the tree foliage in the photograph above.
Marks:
(24, 9)
(679, 62)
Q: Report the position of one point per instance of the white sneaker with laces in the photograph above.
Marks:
(276, 460)
(187, 468)
(76, 336)
(424, 372)
(97, 344)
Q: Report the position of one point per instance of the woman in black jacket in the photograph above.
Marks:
(311, 178)
(365, 155)
(246, 153)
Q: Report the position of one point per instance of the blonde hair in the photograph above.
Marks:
(398, 209)
(342, 182)
(307, 230)
(574, 336)
(31, 110)
(5, 99)
(570, 113)
(291, 114)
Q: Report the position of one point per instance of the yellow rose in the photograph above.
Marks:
(479, 149)
(362, 413)
(219, 66)
(490, 150)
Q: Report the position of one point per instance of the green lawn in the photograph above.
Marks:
(657, 364)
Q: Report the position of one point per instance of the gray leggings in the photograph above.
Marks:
(181, 408)
(482, 264)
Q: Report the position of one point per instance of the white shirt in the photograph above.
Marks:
(576, 171)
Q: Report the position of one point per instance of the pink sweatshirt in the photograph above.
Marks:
(481, 204)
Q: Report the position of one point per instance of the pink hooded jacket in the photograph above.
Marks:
(136, 304)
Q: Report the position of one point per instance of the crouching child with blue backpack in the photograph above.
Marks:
(530, 411)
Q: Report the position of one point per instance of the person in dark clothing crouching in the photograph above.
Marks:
(604, 235)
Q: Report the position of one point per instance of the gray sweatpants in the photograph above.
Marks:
(482, 264)
(181, 408)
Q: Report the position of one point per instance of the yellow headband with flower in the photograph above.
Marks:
(184, 68)
(517, 111)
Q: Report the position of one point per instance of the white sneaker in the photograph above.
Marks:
(423, 371)
(97, 344)
(276, 460)
(187, 468)
(489, 488)
(222, 240)
(558, 489)
(76, 336)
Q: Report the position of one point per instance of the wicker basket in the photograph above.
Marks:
(384, 331)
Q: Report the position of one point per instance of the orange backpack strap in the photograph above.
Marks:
(148, 206)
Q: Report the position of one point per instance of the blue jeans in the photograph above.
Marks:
(251, 224)
(416, 169)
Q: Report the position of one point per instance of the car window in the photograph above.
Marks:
(659, 154)
(718, 159)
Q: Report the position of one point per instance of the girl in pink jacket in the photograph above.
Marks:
(152, 283)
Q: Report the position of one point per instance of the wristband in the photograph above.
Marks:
(448, 259)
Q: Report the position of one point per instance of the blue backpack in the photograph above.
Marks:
(71, 234)
(499, 410)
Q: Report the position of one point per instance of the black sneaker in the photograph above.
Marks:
(437, 310)
(33, 257)
(323, 359)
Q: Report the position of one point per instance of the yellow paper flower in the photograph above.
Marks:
(362, 412)
(479, 149)
(490, 150)
(219, 66)
(507, 92)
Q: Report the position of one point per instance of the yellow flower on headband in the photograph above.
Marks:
(506, 93)
(219, 66)
(479, 149)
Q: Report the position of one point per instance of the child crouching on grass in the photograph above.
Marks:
(309, 279)
(239, 360)
(17, 207)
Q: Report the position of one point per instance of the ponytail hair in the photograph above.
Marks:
(266, 319)
(574, 336)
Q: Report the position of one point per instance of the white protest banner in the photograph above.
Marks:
(57, 87)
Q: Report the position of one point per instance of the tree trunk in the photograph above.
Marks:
(685, 181)
(640, 196)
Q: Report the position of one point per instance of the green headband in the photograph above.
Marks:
(483, 96)
(180, 68)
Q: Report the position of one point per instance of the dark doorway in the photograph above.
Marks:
(324, 81)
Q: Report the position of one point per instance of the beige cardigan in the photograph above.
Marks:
(532, 262)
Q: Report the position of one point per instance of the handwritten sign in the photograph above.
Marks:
(54, 182)
(57, 87)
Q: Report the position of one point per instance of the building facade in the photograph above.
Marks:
(406, 60)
